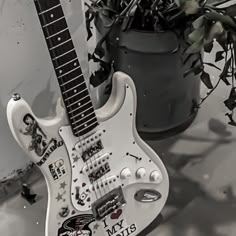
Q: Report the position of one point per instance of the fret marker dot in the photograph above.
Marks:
(79, 103)
(75, 64)
(60, 71)
(82, 115)
(59, 38)
(85, 125)
(51, 15)
(75, 91)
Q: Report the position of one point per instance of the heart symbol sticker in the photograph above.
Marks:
(116, 215)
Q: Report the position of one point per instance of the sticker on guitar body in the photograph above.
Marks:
(40, 144)
(57, 169)
(77, 226)
(116, 225)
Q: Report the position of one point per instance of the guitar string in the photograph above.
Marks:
(104, 176)
(44, 18)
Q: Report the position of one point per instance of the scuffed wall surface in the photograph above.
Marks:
(26, 68)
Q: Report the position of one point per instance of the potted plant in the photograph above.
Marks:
(160, 44)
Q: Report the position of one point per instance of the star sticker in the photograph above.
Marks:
(63, 185)
(75, 159)
(59, 197)
(95, 227)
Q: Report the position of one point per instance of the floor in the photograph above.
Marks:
(201, 164)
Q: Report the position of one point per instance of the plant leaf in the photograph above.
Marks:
(89, 16)
(195, 47)
(222, 40)
(205, 78)
(197, 35)
(219, 56)
(196, 70)
(195, 62)
(99, 51)
(208, 47)
(232, 121)
(225, 19)
(224, 73)
(230, 103)
(231, 10)
(198, 22)
(212, 65)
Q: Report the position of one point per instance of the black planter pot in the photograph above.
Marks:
(156, 63)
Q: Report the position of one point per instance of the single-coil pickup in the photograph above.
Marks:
(95, 164)
(90, 146)
(105, 184)
(99, 172)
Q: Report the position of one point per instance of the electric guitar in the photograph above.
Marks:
(102, 179)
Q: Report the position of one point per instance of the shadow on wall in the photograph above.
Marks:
(44, 103)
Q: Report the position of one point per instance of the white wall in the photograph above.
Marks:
(26, 67)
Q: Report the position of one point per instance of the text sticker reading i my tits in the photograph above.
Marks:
(116, 225)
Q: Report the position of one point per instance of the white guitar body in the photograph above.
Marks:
(57, 152)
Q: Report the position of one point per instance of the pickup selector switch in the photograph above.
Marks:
(140, 173)
(125, 173)
(156, 176)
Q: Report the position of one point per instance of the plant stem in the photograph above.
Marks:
(209, 93)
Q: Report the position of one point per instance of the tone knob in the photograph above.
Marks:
(125, 173)
(156, 176)
(140, 173)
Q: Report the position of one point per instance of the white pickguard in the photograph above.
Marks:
(58, 154)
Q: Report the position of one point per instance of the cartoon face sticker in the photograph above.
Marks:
(77, 226)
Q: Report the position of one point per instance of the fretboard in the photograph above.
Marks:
(73, 87)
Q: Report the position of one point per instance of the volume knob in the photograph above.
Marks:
(125, 173)
(156, 176)
(141, 172)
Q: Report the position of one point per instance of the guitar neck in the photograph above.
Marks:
(72, 84)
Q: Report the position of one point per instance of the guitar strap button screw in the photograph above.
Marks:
(16, 96)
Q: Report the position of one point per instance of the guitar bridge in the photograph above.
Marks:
(108, 203)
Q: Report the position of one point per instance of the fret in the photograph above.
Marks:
(53, 22)
(51, 15)
(51, 37)
(58, 45)
(79, 120)
(62, 50)
(45, 5)
(76, 87)
(72, 61)
(77, 98)
(70, 92)
(86, 130)
(69, 82)
(83, 115)
(62, 60)
(87, 125)
(55, 27)
(69, 77)
(55, 58)
(68, 72)
(69, 66)
(83, 123)
(89, 103)
(75, 95)
(79, 103)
